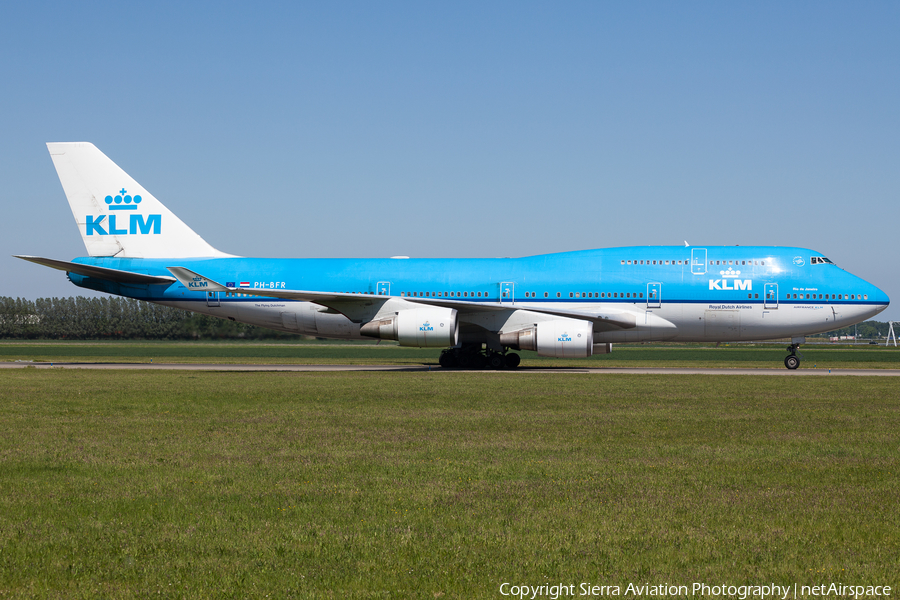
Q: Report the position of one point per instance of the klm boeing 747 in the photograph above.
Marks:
(572, 304)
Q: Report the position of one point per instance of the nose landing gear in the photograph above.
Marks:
(792, 360)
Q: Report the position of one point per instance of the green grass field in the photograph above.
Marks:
(747, 356)
(435, 485)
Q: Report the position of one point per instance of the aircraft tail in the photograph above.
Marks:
(116, 215)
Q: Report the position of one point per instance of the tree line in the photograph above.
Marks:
(80, 318)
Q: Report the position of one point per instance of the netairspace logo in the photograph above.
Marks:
(702, 590)
(137, 224)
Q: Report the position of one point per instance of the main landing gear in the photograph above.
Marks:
(792, 360)
(471, 356)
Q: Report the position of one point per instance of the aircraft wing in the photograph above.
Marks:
(616, 319)
(98, 272)
(605, 319)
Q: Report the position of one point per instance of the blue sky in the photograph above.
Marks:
(463, 129)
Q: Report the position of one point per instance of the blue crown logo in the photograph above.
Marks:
(122, 201)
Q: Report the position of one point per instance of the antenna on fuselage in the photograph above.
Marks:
(686, 245)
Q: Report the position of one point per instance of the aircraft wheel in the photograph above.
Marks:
(447, 360)
(512, 360)
(496, 361)
(791, 361)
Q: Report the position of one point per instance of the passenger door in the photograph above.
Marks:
(771, 295)
(698, 261)
(654, 295)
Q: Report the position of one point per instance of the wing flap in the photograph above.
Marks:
(99, 272)
(619, 319)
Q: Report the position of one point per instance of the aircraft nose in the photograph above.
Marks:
(877, 299)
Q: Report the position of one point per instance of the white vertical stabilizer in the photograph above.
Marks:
(116, 215)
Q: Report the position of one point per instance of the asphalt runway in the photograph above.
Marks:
(420, 369)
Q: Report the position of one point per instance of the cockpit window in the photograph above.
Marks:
(820, 260)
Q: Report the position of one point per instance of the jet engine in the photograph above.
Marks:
(432, 327)
(561, 338)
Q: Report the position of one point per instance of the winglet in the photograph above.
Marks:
(196, 281)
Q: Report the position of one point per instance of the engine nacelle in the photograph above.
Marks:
(432, 327)
(560, 338)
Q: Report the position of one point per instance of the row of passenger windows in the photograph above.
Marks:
(635, 295)
(825, 297)
(685, 262)
(527, 294)
(760, 263)
(590, 294)
(653, 262)
(444, 294)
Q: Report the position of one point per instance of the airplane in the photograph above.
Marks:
(569, 304)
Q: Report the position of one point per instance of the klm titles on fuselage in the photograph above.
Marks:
(730, 276)
(137, 224)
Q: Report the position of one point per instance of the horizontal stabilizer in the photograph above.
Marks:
(99, 272)
(195, 281)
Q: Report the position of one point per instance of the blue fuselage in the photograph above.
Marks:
(798, 290)
(728, 274)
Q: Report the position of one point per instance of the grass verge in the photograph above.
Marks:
(638, 355)
(177, 484)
